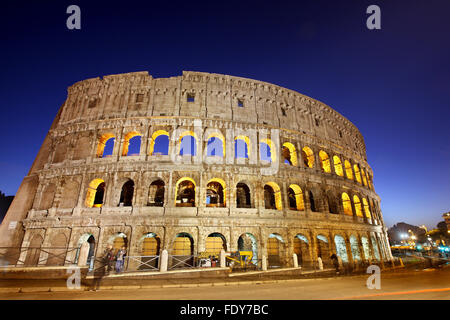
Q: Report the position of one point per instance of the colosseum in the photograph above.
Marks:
(194, 164)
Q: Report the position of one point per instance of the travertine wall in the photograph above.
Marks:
(51, 198)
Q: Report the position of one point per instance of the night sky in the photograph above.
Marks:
(393, 83)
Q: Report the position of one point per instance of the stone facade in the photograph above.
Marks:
(298, 202)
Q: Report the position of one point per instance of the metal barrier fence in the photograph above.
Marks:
(37, 256)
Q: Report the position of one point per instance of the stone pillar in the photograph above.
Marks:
(83, 255)
(222, 259)
(264, 263)
(164, 258)
(320, 263)
(295, 260)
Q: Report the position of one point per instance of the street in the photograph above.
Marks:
(428, 284)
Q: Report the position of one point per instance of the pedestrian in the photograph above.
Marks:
(108, 258)
(335, 261)
(120, 258)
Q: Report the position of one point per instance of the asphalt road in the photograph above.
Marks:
(409, 284)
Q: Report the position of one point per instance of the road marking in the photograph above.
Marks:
(395, 293)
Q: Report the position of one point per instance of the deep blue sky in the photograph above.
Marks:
(393, 83)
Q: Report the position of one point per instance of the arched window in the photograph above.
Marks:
(185, 193)
(341, 248)
(215, 193)
(366, 209)
(215, 243)
(347, 204)
(357, 173)
(242, 196)
(188, 144)
(126, 195)
(357, 204)
(355, 248)
(132, 144)
(308, 157)
(364, 178)
(272, 196)
(95, 193)
(215, 146)
(267, 151)
(183, 245)
(156, 194)
(289, 154)
(348, 170)
(324, 161)
(338, 166)
(105, 145)
(295, 195)
(159, 144)
(241, 147)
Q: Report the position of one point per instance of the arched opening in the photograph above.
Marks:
(355, 248)
(366, 247)
(188, 144)
(132, 144)
(215, 146)
(183, 250)
(90, 241)
(348, 170)
(118, 241)
(57, 253)
(332, 206)
(33, 251)
(159, 143)
(295, 196)
(247, 242)
(156, 194)
(364, 178)
(215, 243)
(376, 253)
(341, 249)
(289, 154)
(241, 147)
(215, 193)
(338, 166)
(185, 191)
(275, 251)
(312, 202)
(308, 157)
(243, 196)
(324, 161)
(105, 145)
(267, 151)
(272, 196)
(48, 196)
(367, 210)
(357, 204)
(150, 249)
(357, 173)
(95, 193)
(126, 195)
(301, 249)
(323, 250)
(347, 204)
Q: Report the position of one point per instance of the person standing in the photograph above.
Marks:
(120, 258)
(108, 258)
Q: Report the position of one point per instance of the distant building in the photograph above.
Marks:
(446, 217)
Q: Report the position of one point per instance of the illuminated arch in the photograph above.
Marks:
(291, 155)
(102, 143)
(357, 204)
(126, 141)
(324, 161)
(364, 178)
(238, 153)
(308, 157)
(154, 144)
(223, 190)
(96, 190)
(276, 193)
(366, 209)
(348, 170)
(347, 204)
(298, 196)
(338, 166)
(194, 141)
(190, 196)
(210, 148)
(271, 146)
(357, 173)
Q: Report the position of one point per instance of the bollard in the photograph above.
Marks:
(83, 255)
(401, 262)
(222, 259)
(264, 263)
(164, 261)
(294, 257)
(319, 261)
